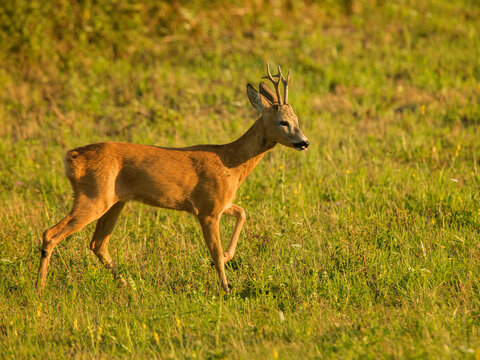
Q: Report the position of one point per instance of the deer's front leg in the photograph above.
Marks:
(239, 213)
(211, 233)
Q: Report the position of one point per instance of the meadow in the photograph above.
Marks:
(365, 246)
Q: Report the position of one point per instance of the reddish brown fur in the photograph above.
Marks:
(201, 180)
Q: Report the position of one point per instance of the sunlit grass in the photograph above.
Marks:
(365, 246)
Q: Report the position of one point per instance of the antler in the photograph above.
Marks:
(276, 84)
(285, 85)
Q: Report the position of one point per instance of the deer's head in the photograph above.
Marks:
(279, 120)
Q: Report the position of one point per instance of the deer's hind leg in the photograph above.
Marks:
(101, 237)
(84, 211)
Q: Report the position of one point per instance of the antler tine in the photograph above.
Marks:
(275, 83)
(285, 86)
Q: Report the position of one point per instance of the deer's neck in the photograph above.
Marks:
(245, 153)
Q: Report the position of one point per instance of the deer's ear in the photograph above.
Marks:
(256, 99)
(265, 91)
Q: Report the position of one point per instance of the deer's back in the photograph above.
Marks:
(188, 179)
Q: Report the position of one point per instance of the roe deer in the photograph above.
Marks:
(201, 180)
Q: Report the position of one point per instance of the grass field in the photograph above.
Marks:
(366, 246)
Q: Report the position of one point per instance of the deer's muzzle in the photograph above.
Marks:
(302, 145)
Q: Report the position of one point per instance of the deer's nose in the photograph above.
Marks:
(303, 145)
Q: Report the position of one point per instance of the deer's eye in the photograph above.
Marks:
(283, 123)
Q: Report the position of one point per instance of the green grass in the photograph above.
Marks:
(366, 246)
